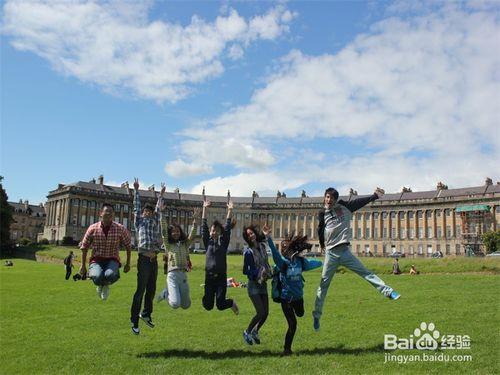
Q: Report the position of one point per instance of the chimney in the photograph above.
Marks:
(488, 181)
(303, 195)
(228, 196)
(441, 186)
(21, 201)
(283, 195)
(92, 181)
(151, 188)
(178, 192)
(124, 185)
(100, 180)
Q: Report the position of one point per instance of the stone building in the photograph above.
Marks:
(29, 221)
(412, 223)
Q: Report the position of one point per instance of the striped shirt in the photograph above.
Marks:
(146, 228)
(105, 246)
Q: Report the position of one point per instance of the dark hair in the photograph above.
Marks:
(182, 237)
(218, 224)
(333, 192)
(104, 205)
(258, 234)
(293, 245)
(148, 207)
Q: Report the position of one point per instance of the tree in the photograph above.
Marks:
(491, 241)
(5, 220)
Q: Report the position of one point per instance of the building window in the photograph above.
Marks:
(277, 233)
(375, 215)
(428, 213)
(419, 214)
(448, 249)
(401, 215)
(367, 232)
(125, 222)
(420, 249)
(458, 230)
(367, 216)
(410, 248)
(402, 249)
(76, 202)
(447, 212)
(429, 232)
(448, 231)
(429, 249)
(238, 232)
(358, 216)
(402, 232)
(358, 236)
(375, 233)
(375, 249)
(393, 215)
(384, 249)
(410, 214)
(457, 249)
(393, 233)
(384, 232)
(384, 215)
(438, 232)
(358, 247)
(438, 213)
(420, 232)
(412, 233)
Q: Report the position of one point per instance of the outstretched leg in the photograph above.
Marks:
(329, 268)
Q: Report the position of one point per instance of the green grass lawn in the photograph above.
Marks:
(49, 325)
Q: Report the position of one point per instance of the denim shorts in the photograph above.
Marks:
(253, 288)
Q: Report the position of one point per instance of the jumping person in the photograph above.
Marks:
(291, 263)
(256, 267)
(178, 262)
(106, 238)
(68, 264)
(334, 233)
(216, 242)
(146, 224)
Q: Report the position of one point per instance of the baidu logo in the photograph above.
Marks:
(427, 337)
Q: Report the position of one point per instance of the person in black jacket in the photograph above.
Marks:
(216, 242)
(334, 233)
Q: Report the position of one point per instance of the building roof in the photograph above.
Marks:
(21, 207)
(198, 198)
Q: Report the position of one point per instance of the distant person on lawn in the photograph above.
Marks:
(68, 264)
(106, 238)
(147, 229)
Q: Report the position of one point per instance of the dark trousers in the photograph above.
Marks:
(147, 271)
(68, 272)
(261, 304)
(292, 309)
(215, 289)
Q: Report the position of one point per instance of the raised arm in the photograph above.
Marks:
(159, 203)
(226, 236)
(137, 202)
(192, 233)
(279, 260)
(205, 235)
(356, 204)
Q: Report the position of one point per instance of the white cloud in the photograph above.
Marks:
(422, 91)
(114, 44)
(179, 168)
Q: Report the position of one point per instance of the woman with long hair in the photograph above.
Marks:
(258, 271)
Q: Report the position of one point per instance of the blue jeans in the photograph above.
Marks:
(342, 256)
(104, 272)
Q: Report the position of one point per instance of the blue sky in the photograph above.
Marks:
(247, 96)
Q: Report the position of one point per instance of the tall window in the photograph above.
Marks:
(375, 233)
(367, 232)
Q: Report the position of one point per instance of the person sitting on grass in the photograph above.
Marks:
(334, 233)
(413, 270)
(106, 238)
(216, 242)
(177, 262)
(146, 222)
(291, 263)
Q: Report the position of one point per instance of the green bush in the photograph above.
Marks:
(43, 241)
(24, 241)
(491, 241)
(68, 241)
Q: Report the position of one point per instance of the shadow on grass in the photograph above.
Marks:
(240, 353)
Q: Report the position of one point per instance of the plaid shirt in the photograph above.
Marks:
(105, 247)
(146, 228)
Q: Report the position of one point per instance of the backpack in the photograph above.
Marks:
(66, 260)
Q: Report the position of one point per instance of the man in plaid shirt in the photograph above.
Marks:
(106, 238)
(148, 246)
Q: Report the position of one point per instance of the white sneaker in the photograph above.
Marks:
(99, 291)
(162, 296)
(105, 292)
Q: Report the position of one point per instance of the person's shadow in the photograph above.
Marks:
(239, 353)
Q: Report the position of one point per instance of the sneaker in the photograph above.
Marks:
(394, 295)
(247, 338)
(135, 328)
(255, 337)
(316, 324)
(235, 308)
(105, 292)
(147, 320)
(162, 296)
(99, 291)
